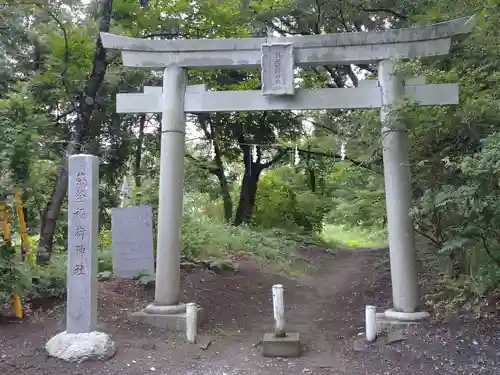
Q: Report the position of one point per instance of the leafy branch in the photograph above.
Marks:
(66, 44)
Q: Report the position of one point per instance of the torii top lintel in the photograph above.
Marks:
(342, 48)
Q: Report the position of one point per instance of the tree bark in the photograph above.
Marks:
(312, 179)
(249, 184)
(86, 104)
(138, 151)
(248, 194)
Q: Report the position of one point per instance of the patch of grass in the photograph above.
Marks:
(353, 237)
(204, 238)
(205, 235)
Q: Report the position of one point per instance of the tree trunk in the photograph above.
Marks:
(53, 208)
(250, 181)
(138, 151)
(312, 179)
(226, 195)
(85, 109)
(248, 194)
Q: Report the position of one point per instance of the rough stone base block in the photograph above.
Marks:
(79, 347)
(171, 322)
(288, 346)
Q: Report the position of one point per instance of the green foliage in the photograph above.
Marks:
(48, 281)
(461, 220)
(204, 237)
(20, 124)
(358, 197)
(457, 151)
(33, 282)
(105, 240)
(283, 202)
(12, 279)
(353, 237)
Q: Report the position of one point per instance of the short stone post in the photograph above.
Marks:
(81, 341)
(279, 343)
(278, 311)
(370, 323)
(398, 193)
(191, 322)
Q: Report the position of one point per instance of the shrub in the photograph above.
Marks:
(12, 278)
(203, 237)
(357, 197)
(282, 204)
(105, 258)
(48, 281)
(460, 219)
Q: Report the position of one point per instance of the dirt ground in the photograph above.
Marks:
(326, 307)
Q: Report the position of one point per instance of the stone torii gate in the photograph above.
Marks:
(278, 58)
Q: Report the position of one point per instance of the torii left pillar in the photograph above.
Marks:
(166, 311)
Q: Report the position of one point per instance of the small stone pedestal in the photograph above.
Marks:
(288, 346)
(172, 318)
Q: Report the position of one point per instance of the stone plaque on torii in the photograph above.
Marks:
(277, 69)
(278, 58)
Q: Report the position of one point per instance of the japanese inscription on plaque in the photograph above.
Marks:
(277, 69)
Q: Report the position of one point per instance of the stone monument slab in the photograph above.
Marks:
(132, 241)
(83, 240)
(80, 341)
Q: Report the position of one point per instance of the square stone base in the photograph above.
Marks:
(288, 346)
(171, 322)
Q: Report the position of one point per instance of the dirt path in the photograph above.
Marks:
(326, 307)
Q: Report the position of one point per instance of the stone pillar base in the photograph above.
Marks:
(406, 316)
(172, 318)
(392, 318)
(79, 347)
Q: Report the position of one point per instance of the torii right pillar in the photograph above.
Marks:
(398, 191)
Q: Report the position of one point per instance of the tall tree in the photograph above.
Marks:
(85, 107)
